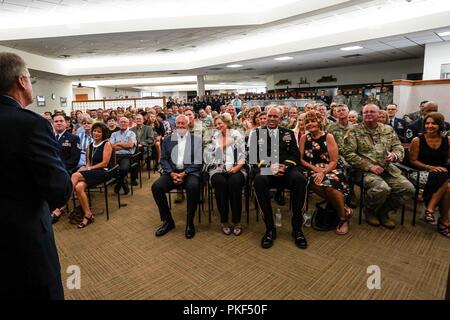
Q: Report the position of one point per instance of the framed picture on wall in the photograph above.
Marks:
(63, 102)
(40, 101)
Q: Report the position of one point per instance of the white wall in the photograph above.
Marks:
(47, 87)
(436, 54)
(109, 93)
(408, 97)
(350, 74)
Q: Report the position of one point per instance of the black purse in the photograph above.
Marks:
(325, 217)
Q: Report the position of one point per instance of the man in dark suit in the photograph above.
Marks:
(398, 124)
(34, 181)
(324, 98)
(145, 140)
(181, 162)
(275, 157)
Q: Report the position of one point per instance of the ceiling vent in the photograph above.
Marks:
(215, 68)
(248, 69)
(353, 55)
(164, 50)
(64, 56)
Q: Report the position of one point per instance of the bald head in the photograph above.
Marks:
(430, 106)
(370, 115)
(123, 122)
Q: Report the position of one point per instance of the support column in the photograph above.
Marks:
(201, 85)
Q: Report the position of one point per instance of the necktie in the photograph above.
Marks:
(57, 137)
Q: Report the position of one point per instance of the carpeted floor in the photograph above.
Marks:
(122, 259)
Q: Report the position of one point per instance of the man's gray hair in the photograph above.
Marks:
(184, 116)
(270, 107)
(11, 67)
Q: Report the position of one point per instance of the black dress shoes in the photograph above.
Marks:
(300, 240)
(267, 239)
(166, 227)
(190, 231)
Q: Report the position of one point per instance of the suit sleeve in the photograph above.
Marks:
(198, 156)
(166, 163)
(48, 171)
(149, 138)
(75, 153)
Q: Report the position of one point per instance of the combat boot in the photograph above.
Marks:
(386, 221)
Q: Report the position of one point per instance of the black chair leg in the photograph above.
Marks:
(106, 201)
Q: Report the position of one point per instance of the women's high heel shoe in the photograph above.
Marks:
(89, 221)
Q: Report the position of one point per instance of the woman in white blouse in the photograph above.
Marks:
(225, 159)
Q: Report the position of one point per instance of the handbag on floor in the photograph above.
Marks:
(325, 217)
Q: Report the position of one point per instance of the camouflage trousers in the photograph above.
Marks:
(386, 192)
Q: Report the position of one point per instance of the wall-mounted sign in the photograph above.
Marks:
(63, 102)
(40, 101)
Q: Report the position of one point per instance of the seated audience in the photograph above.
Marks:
(398, 124)
(383, 118)
(112, 126)
(299, 129)
(124, 144)
(353, 117)
(277, 169)
(373, 148)
(225, 159)
(69, 150)
(415, 128)
(85, 138)
(430, 153)
(180, 168)
(319, 154)
(98, 161)
(145, 140)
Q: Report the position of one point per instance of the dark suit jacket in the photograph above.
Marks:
(34, 181)
(261, 154)
(193, 155)
(146, 137)
(399, 128)
(69, 150)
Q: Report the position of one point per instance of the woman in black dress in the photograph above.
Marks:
(98, 156)
(319, 154)
(430, 152)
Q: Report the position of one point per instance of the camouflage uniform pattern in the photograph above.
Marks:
(287, 124)
(374, 101)
(413, 115)
(340, 99)
(339, 131)
(356, 102)
(365, 147)
(386, 99)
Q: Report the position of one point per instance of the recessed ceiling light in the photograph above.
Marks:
(444, 34)
(351, 48)
(234, 65)
(222, 83)
(283, 58)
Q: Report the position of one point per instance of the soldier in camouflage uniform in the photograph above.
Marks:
(372, 100)
(372, 148)
(291, 122)
(339, 98)
(339, 129)
(356, 102)
(386, 98)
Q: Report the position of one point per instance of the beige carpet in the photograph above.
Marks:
(122, 259)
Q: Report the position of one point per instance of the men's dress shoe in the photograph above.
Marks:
(386, 221)
(300, 240)
(372, 219)
(166, 227)
(267, 239)
(134, 183)
(190, 231)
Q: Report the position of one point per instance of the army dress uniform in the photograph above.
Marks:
(277, 146)
(364, 148)
(69, 150)
(340, 99)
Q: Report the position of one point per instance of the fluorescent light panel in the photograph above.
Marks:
(234, 65)
(444, 34)
(351, 48)
(283, 58)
